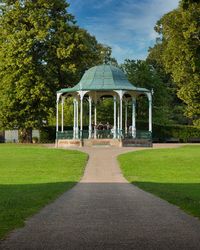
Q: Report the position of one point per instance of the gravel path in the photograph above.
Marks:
(104, 211)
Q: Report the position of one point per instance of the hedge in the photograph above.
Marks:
(164, 133)
(181, 132)
(48, 133)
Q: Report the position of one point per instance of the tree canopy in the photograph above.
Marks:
(143, 74)
(41, 50)
(175, 115)
(179, 47)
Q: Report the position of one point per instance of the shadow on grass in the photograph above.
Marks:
(184, 195)
(19, 201)
(100, 216)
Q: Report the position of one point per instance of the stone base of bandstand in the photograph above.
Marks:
(65, 143)
(137, 143)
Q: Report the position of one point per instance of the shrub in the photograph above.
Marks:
(164, 132)
(47, 134)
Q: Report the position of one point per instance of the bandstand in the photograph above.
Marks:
(103, 81)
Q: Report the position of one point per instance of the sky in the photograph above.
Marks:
(125, 25)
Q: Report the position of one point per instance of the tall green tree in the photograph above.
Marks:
(180, 34)
(155, 60)
(41, 50)
(143, 74)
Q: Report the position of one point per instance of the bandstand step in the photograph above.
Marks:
(136, 143)
(101, 142)
(64, 143)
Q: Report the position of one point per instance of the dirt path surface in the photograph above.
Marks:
(104, 211)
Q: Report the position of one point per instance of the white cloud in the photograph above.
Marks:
(128, 27)
(141, 17)
(123, 53)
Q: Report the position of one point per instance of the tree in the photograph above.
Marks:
(41, 50)
(142, 74)
(180, 34)
(155, 60)
(106, 56)
(87, 52)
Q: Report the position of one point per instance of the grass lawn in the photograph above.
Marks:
(172, 174)
(31, 177)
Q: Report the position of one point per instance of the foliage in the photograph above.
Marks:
(41, 50)
(163, 133)
(106, 53)
(180, 132)
(172, 174)
(155, 60)
(31, 177)
(142, 74)
(180, 30)
(48, 134)
(105, 111)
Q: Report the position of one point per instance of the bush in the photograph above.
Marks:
(162, 133)
(48, 134)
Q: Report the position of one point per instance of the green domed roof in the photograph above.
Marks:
(103, 77)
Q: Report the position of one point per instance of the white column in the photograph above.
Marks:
(57, 119)
(126, 116)
(90, 117)
(120, 113)
(115, 116)
(62, 115)
(133, 117)
(77, 119)
(150, 111)
(95, 120)
(74, 128)
(121, 99)
(81, 94)
(81, 116)
(57, 111)
(118, 119)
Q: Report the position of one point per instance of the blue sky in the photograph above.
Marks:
(125, 25)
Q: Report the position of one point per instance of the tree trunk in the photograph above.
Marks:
(25, 135)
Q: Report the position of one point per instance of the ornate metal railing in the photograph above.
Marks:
(139, 134)
(104, 134)
(65, 134)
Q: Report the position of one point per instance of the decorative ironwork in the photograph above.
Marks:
(104, 134)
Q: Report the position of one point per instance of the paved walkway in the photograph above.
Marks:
(103, 211)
